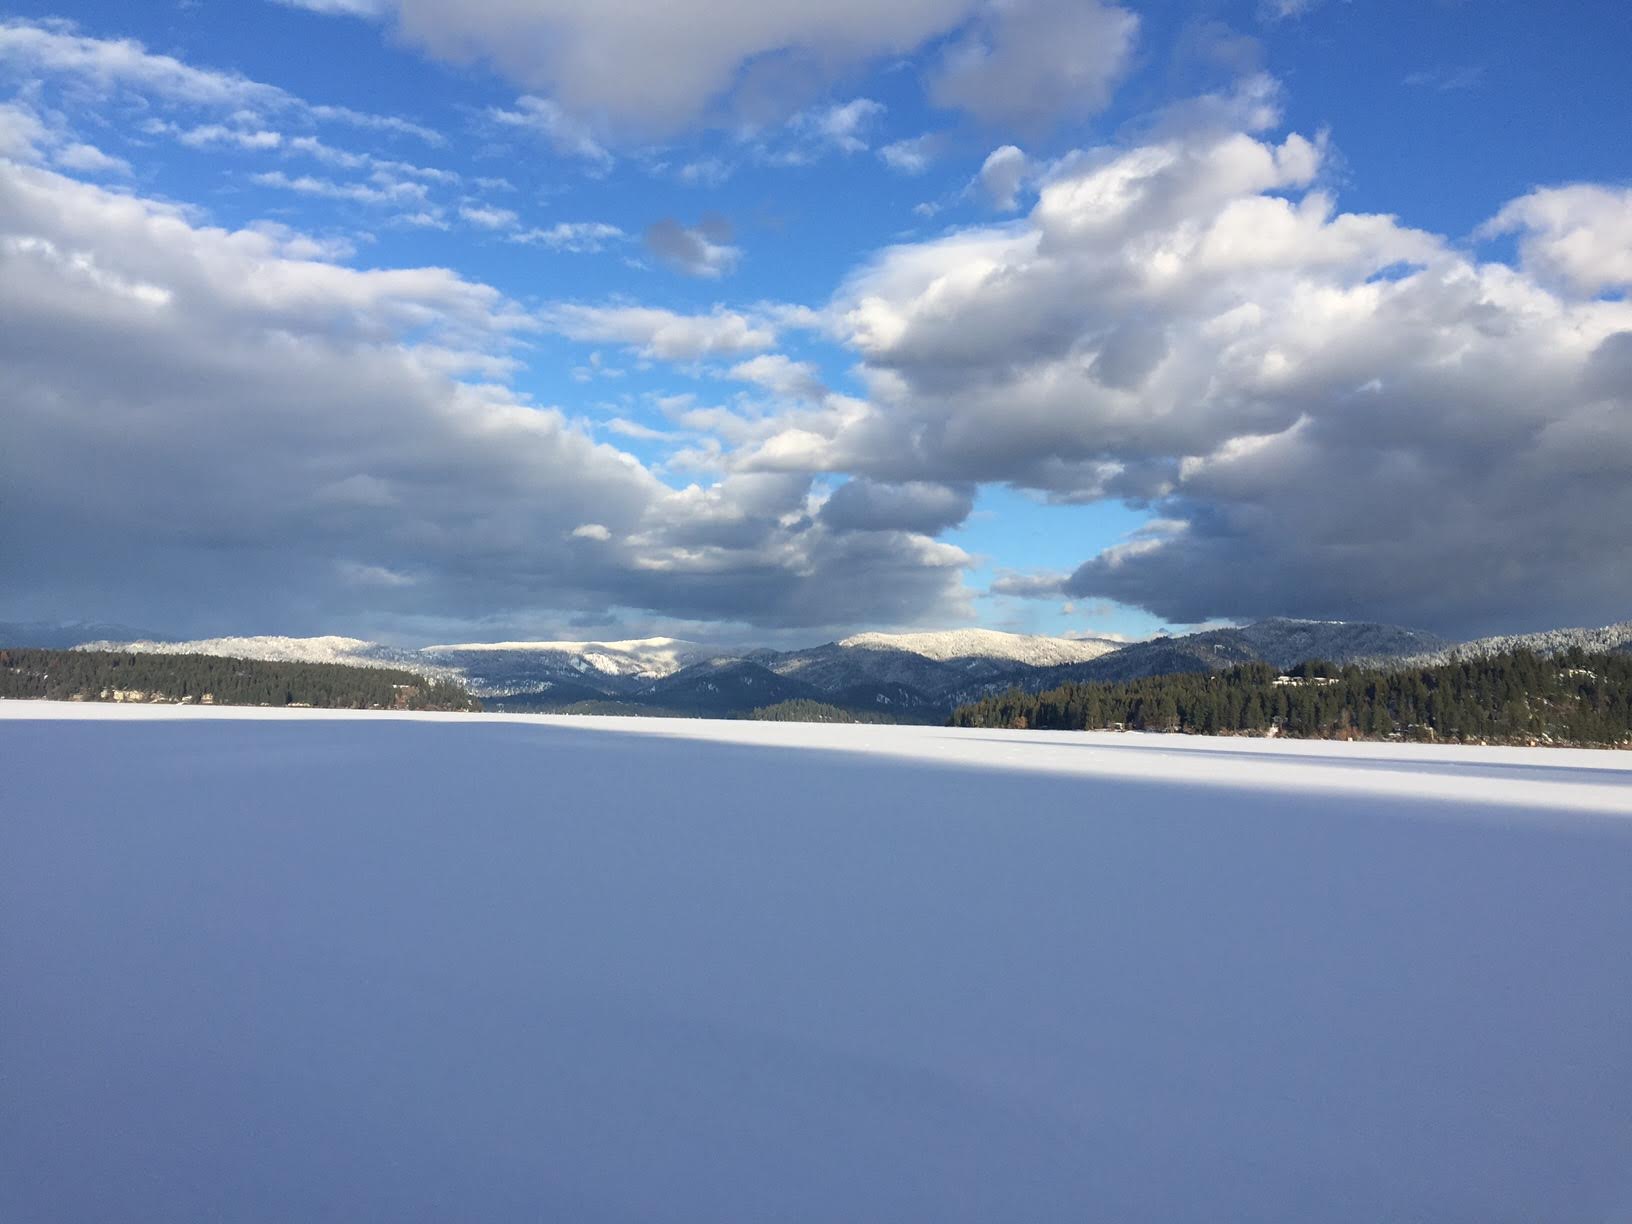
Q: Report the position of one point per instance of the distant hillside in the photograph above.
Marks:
(723, 687)
(128, 676)
(1279, 642)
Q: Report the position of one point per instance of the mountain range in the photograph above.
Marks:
(910, 677)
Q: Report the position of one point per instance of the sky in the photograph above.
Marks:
(773, 320)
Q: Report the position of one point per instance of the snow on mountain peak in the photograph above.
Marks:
(988, 644)
(653, 656)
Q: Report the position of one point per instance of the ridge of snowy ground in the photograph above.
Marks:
(329, 967)
(988, 644)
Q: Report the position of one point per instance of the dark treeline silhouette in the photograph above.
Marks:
(105, 675)
(1569, 698)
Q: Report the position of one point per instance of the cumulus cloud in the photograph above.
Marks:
(206, 432)
(920, 506)
(1331, 414)
(703, 250)
(1031, 62)
(782, 376)
(1578, 236)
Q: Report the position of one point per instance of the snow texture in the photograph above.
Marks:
(336, 967)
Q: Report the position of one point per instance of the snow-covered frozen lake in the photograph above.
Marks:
(274, 967)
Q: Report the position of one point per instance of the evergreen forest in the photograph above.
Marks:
(1572, 698)
(103, 675)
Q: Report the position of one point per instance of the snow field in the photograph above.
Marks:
(294, 965)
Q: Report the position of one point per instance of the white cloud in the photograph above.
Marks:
(842, 126)
(485, 216)
(88, 159)
(576, 237)
(591, 531)
(1580, 235)
(914, 155)
(705, 172)
(337, 8)
(109, 66)
(1002, 175)
(1280, 10)
(21, 132)
(382, 193)
(663, 333)
(782, 376)
(206, 134)
(548, 121)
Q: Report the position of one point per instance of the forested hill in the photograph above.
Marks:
(1571, 698)
(106, 675)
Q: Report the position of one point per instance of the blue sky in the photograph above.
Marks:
(1103, 318)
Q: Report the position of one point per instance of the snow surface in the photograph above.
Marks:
(987, 644)
(304, 965)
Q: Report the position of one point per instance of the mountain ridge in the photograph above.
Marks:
(917, 676)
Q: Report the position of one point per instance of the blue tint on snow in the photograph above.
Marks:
(347, 971)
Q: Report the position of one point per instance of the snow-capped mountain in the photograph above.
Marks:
(953, 645)
(612, 668)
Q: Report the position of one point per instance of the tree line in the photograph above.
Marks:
(804, 709)
(1569, 698)
(105, 675)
